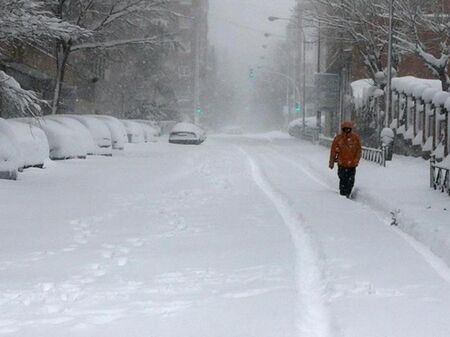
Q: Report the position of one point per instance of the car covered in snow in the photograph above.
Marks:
(135, 132)
(32, 144)
(99, 132)
(117, 130)
(9, 152)
(78, 132)
(187, 133)
(62, 146)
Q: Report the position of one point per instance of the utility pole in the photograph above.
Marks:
(388, 94)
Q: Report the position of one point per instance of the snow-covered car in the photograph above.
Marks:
(135, 132)
(187, 133)
(117, 130)
(78, 132)
(32, 144)
(99, 132)
(60, 138)
(9, 152)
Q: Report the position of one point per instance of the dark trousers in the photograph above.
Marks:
(346, 179)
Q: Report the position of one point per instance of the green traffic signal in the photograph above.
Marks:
(298, 108)
(251, 74)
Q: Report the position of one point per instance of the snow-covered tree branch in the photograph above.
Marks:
(28, 21)
(104, 18)
(426, 34)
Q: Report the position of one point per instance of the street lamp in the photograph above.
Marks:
(297, 53)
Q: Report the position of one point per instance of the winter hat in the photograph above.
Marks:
(347, 125)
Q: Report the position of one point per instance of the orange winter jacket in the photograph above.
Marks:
(346, 150)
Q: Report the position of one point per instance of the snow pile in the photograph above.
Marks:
(387, 136)
(410, 85)
(32, 143)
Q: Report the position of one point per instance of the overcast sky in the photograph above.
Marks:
(237, 27)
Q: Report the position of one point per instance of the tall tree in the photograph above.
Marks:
(27, 21)
(102, 17)
(427, 34)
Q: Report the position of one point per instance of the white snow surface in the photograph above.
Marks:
(242, 236)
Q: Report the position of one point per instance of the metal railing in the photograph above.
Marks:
(439, 177)
(325, 141)
(377, 156)
(310, 134)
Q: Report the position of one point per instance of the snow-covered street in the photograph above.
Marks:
(243, 236)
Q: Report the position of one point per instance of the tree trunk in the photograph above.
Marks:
(63, 50)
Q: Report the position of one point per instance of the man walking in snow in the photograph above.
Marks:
(346, 152)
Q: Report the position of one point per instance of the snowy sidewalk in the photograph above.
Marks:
(379, 282)
(401, 189)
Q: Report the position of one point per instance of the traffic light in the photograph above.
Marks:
(252, 74)
(199, 111)
(298, 108)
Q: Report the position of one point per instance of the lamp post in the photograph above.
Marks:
(298, 28)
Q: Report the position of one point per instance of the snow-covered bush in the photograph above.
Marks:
(32, 143)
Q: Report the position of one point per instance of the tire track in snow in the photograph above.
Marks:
(434, 261)
(313, 316)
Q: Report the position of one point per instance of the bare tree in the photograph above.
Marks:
(426, 34)
(27, 21)
(102, 17)
(360, 24)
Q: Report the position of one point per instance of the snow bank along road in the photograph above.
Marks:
(236, 237)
